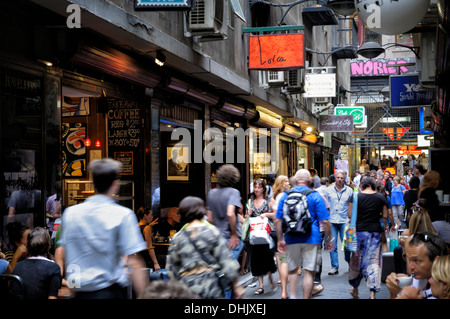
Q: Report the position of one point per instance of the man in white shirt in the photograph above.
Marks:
(98, 236)
(374, 162)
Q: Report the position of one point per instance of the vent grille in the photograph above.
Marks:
(198, 15)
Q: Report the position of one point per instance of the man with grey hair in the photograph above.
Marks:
(303, 249)
(340, 198)
(97, 234)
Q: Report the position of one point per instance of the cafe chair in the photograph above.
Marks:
(11, 287)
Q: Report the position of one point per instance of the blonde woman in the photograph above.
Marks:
(440, 278)
(280, 186)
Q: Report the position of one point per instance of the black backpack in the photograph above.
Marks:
(296, 216)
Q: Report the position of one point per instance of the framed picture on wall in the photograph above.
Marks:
(75, 106)
(177, 163)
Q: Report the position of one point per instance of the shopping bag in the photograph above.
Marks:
(352, 241)
(245, 229)
(260, 231)
(392, 240)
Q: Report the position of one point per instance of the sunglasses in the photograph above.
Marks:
(427, 239)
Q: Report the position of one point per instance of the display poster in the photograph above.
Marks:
(73, 149)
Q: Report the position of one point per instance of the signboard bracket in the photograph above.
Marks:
(261, 30)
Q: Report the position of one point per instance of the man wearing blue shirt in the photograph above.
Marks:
(340, 198)
(303, 249)
(97, 234)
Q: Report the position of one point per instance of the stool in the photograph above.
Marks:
(388, 265)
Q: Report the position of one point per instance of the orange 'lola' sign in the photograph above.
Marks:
(278, 51)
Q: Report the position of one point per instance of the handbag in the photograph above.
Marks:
(245, 229)
(352, 240)
(260, 232)
(224, 282)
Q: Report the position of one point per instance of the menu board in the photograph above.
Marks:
(124, 133)
(124, 124)
(126, 158)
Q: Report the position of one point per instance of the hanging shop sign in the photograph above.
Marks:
(405, 92)
(336, 123)
(358, 113)
(276, 51)
(320, 85)
(408, 150)
(381, 67)
(163, 4)
(424, 140)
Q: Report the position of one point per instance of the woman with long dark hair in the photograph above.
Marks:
(366, 262)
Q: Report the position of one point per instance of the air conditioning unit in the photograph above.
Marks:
(321, 100)
(294, 81)
(275, 78)
(262, 79)
(209, 20)
(426, 65)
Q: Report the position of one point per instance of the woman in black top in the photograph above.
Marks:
(366, 262)
(410, 197)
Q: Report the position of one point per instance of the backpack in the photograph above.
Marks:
(296, 216)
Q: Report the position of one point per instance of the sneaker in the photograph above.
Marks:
(333, 272)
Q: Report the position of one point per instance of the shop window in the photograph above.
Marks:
(302, 157)
(21, 101)
(404, 39)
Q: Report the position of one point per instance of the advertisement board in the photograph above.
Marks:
(405, 91)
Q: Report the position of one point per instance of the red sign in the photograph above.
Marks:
(279, 51)
(409, 152)
(392, 170)
(391, 132)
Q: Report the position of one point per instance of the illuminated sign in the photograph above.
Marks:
(395, 133)
(279, 51)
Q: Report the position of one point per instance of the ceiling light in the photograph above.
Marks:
(370, 50)
(160, 58)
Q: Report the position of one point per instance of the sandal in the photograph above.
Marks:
(319, 288)
(354, 293)
(259, 291)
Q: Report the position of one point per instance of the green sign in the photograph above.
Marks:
(358, 113)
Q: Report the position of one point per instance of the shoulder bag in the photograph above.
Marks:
(352, 241)
(224, 282)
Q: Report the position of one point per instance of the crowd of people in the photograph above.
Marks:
(102, 246)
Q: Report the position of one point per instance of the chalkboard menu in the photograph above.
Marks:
(124, 133)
